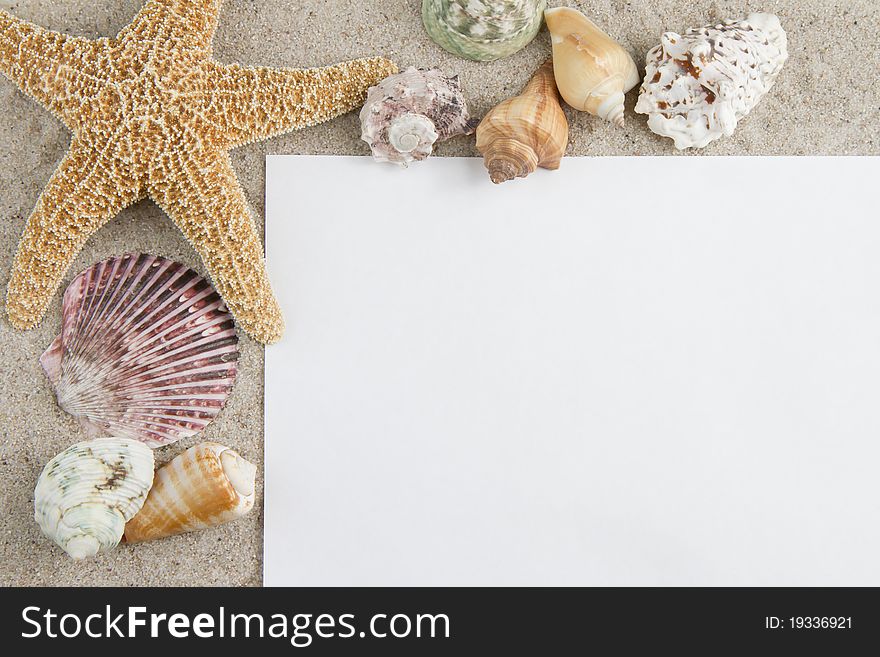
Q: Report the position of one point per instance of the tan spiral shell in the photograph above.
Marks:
(592, 70)
(205, 486)
(525, 132)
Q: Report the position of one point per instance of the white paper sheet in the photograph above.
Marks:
(632, 371)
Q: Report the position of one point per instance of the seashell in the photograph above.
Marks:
(525, 132)
(698, 86)
(205, 486)
(593, 71)
(406, 113)
(482, 30)
(147, 350)
(87, 493)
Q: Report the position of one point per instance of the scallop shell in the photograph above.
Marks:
(525, 132)
(482, 30)
(698, 86)
(147, 350)
(593, 71)
(406, 113)
(205, 486)
(87, 493)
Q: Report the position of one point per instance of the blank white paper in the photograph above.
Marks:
(630, 371)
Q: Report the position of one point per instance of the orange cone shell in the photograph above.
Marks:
(205, 486)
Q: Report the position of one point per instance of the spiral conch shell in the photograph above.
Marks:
(205, 486)
(525, 132)
(698, 86)
(406, 113)
(482, 30)
(87, 493)
(593, 71)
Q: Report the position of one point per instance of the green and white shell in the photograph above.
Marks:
(87, 493)
(483, 30)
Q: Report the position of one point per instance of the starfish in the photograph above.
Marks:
(154, 115)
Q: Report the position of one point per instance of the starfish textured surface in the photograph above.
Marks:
(153, 115)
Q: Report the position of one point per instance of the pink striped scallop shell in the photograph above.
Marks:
(147, 350)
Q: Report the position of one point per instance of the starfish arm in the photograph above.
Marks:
(247, 104)
(198, 189)
(57, 70)
(191, 22)
(86, 190)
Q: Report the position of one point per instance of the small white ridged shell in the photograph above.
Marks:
(87, 493)
(147, 350)
(699, 85)
(406, 113)
(205, 486)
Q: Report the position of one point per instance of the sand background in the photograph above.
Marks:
(826, 102)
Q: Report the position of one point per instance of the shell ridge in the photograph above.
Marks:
(83, 304)
(150, 350)
(143, 291)
(178, 318)
(110, 368)
(162, 369)
(223, 350)
(196, 371)
(161, 297)
(109, 288)
(125, 294)
(86, 340)
(106, 273)
(141, 349)
(110, 350)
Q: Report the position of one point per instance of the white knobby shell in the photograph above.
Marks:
(407, 113)
(87, 493)
(699, 85)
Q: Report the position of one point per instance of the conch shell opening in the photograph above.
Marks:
(593, 71)
(240, 473)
